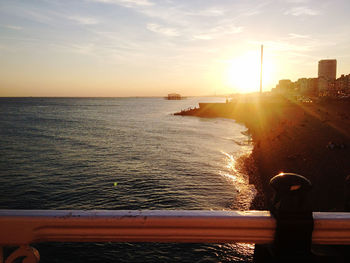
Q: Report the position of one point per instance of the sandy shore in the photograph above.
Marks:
(310, 139)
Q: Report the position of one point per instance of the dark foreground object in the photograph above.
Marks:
(292, 210)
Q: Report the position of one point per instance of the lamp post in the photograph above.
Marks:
(262, 52)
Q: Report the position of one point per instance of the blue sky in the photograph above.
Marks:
(151, 48)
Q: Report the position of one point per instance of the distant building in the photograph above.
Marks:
(307, 86)
(327, 68)
(327, 72)
(325, 85)
(174, 96)
(342, 85)
(284, 86)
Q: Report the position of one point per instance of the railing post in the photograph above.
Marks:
(294, 221)
(24, 253)
(347, 194)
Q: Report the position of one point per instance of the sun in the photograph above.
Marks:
(243, 72)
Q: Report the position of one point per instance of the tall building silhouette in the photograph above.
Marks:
(327, 72)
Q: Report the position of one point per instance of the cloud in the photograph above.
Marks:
(13, 27)
(126, 3)
(203, 37)
(302, 10)
(297, 1)
(37, 16)
(209, 12)
(285, 46)
(167, 31)
(84, 20)
(218, 31)
(298, 45)
(294, 36)
(87, 49)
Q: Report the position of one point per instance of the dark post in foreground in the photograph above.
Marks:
(294, 222)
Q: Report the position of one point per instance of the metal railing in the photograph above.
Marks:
(23, 227)
(19, 227)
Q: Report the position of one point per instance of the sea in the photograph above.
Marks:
(123, 154)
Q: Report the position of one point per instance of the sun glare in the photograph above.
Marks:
(243, 73)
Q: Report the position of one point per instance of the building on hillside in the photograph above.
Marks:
(327, 72)
(284, 86)
(326, 85)
(307, 86)
(303, 86)
(342, 85)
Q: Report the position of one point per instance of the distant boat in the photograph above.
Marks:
(174, 96)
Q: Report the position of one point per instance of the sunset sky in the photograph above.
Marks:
(155, 47)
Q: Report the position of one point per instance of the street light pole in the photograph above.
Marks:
(261, 69)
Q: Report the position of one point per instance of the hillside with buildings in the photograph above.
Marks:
(325, 85)
(300, 127)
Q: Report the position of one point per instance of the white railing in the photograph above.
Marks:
(19, 227)
(23, 227)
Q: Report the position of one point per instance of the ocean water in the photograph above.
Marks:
(67, 153)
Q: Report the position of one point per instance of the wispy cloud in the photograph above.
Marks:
(297, 1)
(302, 10)
(210, 12)
(86, 49)
(127, 3)
(295, 45)
(13, 27)
(294, 36)
(36, 15)
(203, 37)
(218, 31)
(167, 31)
(84, 20)
(284, 46)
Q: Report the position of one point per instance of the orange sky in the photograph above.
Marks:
(152, 48)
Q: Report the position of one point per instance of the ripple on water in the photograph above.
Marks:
(68, 153)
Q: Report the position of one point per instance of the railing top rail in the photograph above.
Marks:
(28, 226)
(159, 213)
(134, 213)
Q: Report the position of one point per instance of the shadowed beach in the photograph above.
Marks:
(311, 139)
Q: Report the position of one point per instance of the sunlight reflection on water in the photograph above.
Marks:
(245, 191)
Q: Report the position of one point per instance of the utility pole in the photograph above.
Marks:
(262, 52)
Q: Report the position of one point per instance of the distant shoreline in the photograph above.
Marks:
(294, 137)
(110, 97)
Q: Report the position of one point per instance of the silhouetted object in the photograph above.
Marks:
(292, 210)
(327, 71)
(347, 194)
(174, 96)
(334, 146)
(294, 222)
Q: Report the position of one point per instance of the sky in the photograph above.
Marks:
(113, 48)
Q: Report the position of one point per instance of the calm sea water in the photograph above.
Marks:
(67, 153)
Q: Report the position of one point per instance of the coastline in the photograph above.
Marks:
(310, 139)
